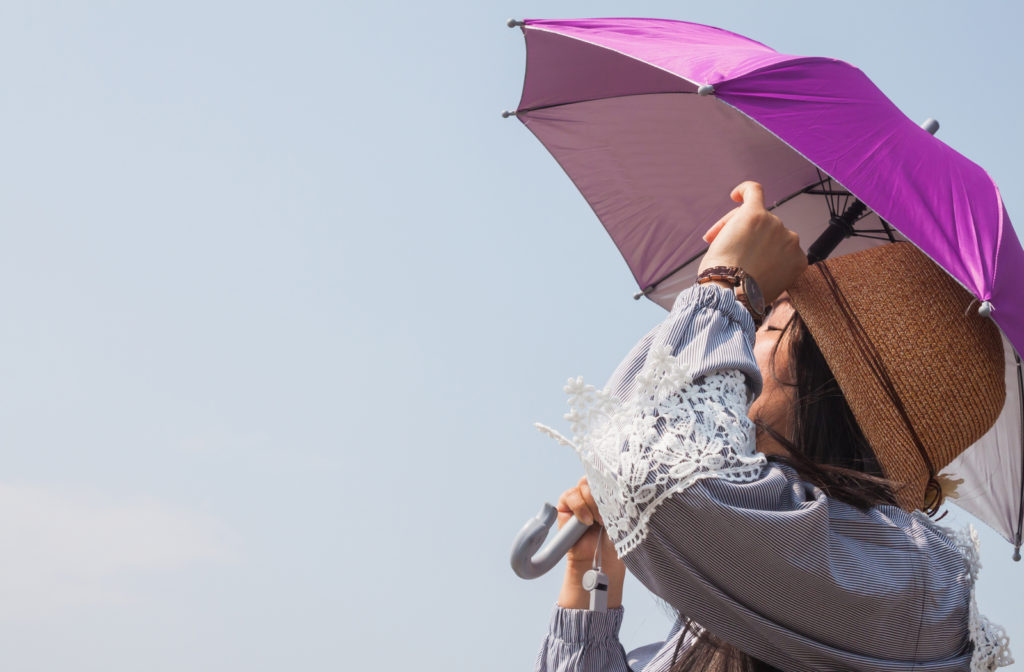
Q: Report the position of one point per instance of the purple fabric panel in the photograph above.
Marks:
(657, 179)
(564, 69)
(832, 114)
(1006, 295)
(657, 169)
(701, 54)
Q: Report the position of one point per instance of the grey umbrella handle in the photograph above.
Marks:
(529, 540)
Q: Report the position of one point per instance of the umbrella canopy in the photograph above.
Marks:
(655, 121)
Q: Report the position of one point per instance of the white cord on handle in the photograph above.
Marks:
(595, 581)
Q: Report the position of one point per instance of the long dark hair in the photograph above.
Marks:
(827, 449)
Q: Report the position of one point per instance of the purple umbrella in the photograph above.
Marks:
(656, 120)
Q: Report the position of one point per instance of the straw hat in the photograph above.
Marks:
(921, 370)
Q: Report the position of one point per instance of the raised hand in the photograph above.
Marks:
(757, 241)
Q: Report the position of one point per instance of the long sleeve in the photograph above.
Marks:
(673, 413)
(742, 546)
(581, 640)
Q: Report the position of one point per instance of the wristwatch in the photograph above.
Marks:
(743, 286)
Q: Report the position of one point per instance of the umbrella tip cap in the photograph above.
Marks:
(508, 113)
(1016, 554)
(512, 23)
(985, 309)
(705, 90)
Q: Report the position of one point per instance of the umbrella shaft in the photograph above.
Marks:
(839, 228)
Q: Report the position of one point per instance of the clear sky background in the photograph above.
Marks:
(281, 295)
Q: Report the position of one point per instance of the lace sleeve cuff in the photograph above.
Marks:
(663, 428)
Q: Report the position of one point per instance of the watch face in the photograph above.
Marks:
(754, 295)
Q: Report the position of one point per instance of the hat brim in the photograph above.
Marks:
(922, 373)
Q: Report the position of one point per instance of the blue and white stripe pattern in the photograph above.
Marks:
(772, 565)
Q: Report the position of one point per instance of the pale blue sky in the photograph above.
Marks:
(282, 295)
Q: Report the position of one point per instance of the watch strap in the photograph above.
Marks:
(735, 276)
(731, 274)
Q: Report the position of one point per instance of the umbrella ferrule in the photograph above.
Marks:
(644, 292)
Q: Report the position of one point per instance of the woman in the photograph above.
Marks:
(808, 553)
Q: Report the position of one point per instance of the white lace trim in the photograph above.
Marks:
(991, 643)
(671, 433)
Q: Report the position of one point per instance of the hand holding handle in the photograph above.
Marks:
(525, 563)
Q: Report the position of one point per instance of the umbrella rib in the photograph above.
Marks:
(591, 100)
(826, 188)
(827, 191)
(650, 288)
(1020, 505)
(888, 230)
(811, 189)
(858, 234)
(822, 192)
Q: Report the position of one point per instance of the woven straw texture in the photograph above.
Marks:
(920, 369)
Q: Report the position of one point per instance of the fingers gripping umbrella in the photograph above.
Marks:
(655, 120)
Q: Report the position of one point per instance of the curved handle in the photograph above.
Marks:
(529, 566)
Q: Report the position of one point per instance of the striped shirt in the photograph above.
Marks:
(770, 564)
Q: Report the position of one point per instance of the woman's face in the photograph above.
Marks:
(775, 405)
